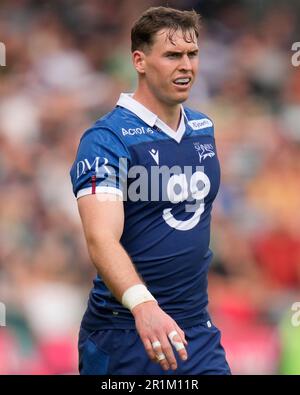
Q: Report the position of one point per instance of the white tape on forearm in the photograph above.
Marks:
(135, 295)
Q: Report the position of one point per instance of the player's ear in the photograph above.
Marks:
(138, 59)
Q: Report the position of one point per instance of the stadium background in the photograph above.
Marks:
(67, 61)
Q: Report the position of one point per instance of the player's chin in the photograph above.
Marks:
(182, 94)
(181, 97)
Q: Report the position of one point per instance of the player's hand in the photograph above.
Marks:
(158, 332)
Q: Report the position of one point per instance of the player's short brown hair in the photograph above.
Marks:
(158, 18)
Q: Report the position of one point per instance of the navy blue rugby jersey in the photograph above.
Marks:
(168, 181)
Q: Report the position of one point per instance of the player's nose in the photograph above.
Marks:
(185, 63)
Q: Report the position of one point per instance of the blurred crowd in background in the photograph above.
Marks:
(66, 63)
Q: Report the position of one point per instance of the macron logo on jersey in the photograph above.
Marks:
(155, 155)
(198, 124)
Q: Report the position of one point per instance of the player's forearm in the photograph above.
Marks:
(113, 264)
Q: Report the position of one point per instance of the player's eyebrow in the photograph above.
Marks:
(173, 52)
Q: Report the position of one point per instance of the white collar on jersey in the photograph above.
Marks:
(127, 101)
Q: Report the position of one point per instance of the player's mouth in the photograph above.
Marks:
(182, 82)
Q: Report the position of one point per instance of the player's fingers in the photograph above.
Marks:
(178, 344)
(168, 351)
(159, 354)
(149, 349)
(181, 334)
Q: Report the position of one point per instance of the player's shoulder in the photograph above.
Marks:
(194, 115)
(103, 130)
(102, 135)
(127, 126)
(198, 120)
(117, 123)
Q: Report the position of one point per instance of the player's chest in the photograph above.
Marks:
(166, 165)
(193, 151)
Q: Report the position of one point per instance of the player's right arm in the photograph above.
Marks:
(103, 221)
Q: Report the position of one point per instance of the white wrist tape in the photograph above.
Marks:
(135, 295)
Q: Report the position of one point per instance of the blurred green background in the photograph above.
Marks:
(66, 63)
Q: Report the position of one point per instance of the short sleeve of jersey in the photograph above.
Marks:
(101, 164)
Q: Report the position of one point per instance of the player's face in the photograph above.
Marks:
(170, 66)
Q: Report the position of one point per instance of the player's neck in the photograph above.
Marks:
(170, 115)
